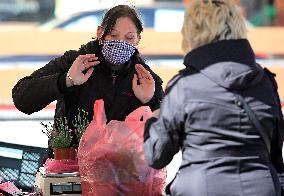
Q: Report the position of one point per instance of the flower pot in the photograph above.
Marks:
(64, 153)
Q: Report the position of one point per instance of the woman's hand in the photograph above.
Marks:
(143, 84)
(82, 63)
(156, 113)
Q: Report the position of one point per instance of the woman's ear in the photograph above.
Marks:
(99, 32)
(138, 40)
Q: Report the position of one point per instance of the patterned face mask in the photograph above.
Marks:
(117, 52)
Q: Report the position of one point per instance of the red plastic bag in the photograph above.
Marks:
(111, 159)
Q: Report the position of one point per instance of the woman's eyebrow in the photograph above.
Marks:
(114, 31)
(117, 31)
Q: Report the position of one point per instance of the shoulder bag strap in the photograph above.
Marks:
(255, 121)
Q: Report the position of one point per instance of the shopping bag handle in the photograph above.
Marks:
(99, 116)
(136, 115)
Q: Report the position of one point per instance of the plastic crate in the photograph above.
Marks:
(19, 164)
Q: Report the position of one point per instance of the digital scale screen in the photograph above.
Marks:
(65, 188)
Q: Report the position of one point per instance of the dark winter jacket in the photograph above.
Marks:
(222, 152)
(48, 84)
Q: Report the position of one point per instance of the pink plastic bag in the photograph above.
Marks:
(9, 188)
(61, 166)
(111, 159)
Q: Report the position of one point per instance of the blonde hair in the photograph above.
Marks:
(208, 21)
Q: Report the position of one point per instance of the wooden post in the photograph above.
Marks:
(279, 20)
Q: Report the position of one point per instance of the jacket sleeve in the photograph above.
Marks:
(277, 145)
(43, 86)
(276, 156)
(162, 136)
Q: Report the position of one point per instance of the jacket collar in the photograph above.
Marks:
(228, 63)
(238, 51)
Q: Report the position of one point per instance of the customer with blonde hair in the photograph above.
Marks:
(205, 111)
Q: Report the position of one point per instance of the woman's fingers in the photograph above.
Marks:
(139, 71)
(81, 59)
(143, 74)
(134, 81)
(82, 63)
(148, 76)
(89, 64)
(86, 57)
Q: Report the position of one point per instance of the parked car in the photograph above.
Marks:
(162, 17)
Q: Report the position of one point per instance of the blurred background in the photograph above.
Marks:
(32, 32)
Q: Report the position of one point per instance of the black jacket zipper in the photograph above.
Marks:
(114, 78)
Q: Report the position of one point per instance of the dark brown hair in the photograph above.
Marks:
(116, 12)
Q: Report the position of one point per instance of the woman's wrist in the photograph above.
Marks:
(145, 100)
(69, 80)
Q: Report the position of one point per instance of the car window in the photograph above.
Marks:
(146, 15)
(86, 23)
(169, 20)
(162, 19)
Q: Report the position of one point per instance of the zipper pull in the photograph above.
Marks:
(114, 78)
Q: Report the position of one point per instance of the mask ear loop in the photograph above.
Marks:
(101, 38)
(100, 35)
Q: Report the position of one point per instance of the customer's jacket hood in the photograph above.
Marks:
(229, 63)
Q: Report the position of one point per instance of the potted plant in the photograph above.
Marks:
(80, 124)
(62, 141)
